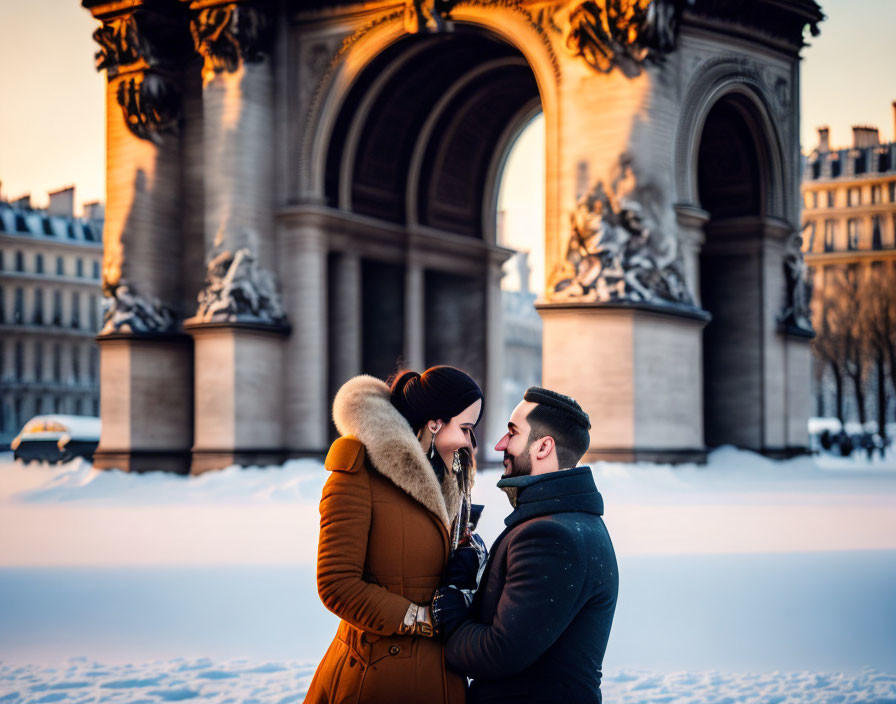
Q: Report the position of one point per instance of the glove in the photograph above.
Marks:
(465, 566)
(449, 610)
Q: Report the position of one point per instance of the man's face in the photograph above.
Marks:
(515, 443)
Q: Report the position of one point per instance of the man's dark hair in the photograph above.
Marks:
(563, 419)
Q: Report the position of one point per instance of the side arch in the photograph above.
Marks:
(731, 78)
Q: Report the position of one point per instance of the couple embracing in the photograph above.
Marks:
(424, 608)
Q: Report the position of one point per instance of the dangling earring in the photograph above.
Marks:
(432, 445)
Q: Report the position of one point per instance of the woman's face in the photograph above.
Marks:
(457, 432)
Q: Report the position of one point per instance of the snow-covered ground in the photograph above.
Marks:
(746, 580)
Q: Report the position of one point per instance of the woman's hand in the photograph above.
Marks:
(465, 566)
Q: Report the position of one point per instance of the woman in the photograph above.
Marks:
(386, 519)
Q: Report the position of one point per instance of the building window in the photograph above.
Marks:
(76, 312)
(829, 234)
(831, 199)
(811, 242)
(39, 263)
(853, 232)
(96, 269)
(71, 231)
(835, 168)
(57, 405)
(892, 188)
(60, 266)
(816, 169)
(38, 360)
(17, 415)
(875, 193)
(2, 305)
(96, 408)
(876, 239)
(94, 315)
(814, 199)
(861, 163)
(20, 261)
(57, 363)
(38, 307)
(79, 268)
(57, 308)
(20, 360)
(18, 313)
(853, 197)
(94, 363)
(76, 364)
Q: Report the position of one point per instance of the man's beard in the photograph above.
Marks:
(520, 466)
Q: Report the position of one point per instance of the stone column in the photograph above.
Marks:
(345, 334)
(239, 323)
(690, 240)
(495, 424)
(414, 316)
(303, 254)
(145, 365)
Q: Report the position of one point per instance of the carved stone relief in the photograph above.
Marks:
(237, 289)
(126, 311)
(798, 292)
(617, 250)
(228, 34)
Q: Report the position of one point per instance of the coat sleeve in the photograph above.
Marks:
(345, 512)
(542, 590)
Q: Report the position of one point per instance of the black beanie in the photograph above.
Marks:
(439, 393)
(546, 397)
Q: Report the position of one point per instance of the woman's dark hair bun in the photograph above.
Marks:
(441, 392)
(398, 388)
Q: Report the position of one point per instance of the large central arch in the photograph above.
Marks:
(415, 147)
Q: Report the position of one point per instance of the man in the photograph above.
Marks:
(542, 615)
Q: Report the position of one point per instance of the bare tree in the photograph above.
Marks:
(879, 323)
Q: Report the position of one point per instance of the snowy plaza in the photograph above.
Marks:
(746, 580)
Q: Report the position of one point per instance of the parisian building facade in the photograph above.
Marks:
(849, 221)
(50, 310)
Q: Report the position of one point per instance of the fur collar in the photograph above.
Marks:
(363, 410)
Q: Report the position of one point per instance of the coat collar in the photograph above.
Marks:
(362, 409)
(557, 492)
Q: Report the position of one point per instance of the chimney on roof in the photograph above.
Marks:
(94, 210)
(864, 136)
(23, 202)
(824, 139)
(62, 202)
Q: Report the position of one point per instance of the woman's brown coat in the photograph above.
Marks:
(384, 526)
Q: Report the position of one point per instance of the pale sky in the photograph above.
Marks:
(52, 103)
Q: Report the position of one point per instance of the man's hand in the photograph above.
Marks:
(449, 610)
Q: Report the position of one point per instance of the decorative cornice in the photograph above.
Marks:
(229, 34)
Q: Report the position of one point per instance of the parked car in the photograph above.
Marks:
(57, 438)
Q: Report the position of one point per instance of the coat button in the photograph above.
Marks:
(394, 650)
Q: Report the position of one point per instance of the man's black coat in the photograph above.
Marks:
(543, 612)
